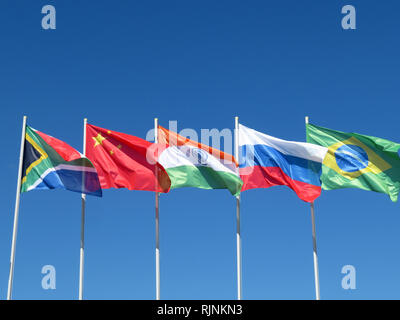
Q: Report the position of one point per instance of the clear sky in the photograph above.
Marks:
(122, 63)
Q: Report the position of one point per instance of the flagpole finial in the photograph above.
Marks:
(307, 119)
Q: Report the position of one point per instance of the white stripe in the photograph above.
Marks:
(40, 179)
(176, 156)
(303, 150)
(75, 168)
(59, 167)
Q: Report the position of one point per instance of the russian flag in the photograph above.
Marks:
(265, 161)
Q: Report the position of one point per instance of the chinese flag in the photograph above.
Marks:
(125, 161)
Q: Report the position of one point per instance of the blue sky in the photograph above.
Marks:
(120, 64)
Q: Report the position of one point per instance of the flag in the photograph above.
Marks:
(125, 161)
(193, 164)
(358, 161)
(266, 161)
(49, 163)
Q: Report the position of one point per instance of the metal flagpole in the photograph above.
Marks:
(82, 249)
(238, 238)
(315, 255)
(16, 212)
(157, 223)
(316, 272)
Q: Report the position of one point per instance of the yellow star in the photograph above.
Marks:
(98, 140)
(108, 132)
(111, 152)
(119, 146)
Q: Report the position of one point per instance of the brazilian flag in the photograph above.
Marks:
(357, 161)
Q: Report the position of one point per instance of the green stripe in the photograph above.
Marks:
(368, 181)
(204, 178)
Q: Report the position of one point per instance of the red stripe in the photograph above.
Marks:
(64, 150)
(265, 177)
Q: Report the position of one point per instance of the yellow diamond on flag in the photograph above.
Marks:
(351, 158)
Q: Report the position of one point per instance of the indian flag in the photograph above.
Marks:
(192, 164)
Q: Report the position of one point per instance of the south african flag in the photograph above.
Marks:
(50, 163)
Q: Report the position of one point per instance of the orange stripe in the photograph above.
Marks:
(172, 138)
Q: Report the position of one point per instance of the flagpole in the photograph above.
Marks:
(238, 237)
(315, 255)
(82, 248)
(157, 223)
(16, 212)
(316, 272)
